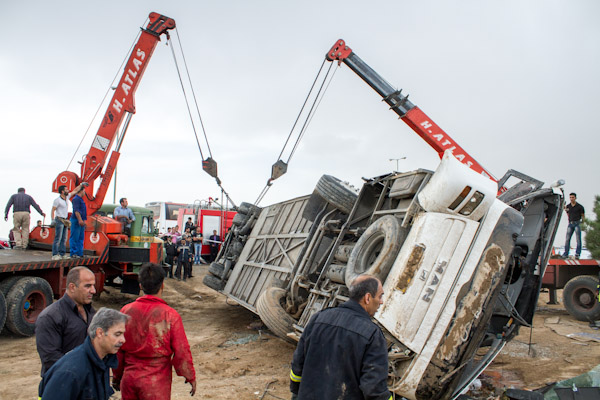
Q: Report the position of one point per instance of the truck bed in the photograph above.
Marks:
(28, 260)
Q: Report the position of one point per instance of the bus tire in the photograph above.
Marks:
(247, 208)
(24, 303)
(216, 269)
(580, 297)
(314, 205)
(213, 282)
(240, 219)
(270, 310)
(376, 250)
(336, 193)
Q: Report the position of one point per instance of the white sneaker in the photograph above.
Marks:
(65, 257)
(56, 257)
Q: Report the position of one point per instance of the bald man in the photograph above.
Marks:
(342, 354)
(63, 325)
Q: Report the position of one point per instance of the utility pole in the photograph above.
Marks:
(397, 160)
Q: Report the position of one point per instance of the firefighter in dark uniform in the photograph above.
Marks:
(342, 354)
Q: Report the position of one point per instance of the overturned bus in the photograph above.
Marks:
(461, 266)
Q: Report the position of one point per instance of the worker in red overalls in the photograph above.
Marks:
(155, 341)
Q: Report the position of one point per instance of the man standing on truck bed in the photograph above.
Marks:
(342, 354)
(576, 214)
(21, 204)
(78, 218)
(63, 325)
(59, 215)
(155, 344)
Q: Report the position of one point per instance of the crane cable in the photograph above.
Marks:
(110, 87)
(218, 181)
(326, 81)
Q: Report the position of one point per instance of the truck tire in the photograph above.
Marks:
(2, 311)
(25, 301)
(376, 250)
(580, 297)
(216, 269)
(213, 282)
(8, 283)
(270, 309)
(336, 193)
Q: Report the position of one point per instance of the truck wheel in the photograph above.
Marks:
(376, 249)
(580, 297)
(270, 309)
(7, 284)
(2, 311)
(336, 193)
(213, 282)
(25, 301)
(216, 269)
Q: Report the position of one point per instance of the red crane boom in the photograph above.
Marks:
(408, 112)
(121, 107)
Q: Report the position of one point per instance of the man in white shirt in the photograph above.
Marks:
(60, 212)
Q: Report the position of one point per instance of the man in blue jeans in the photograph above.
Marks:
(60, 212)
(78, 218)
(576, 214)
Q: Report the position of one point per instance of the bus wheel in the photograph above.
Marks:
(270, 309)
(213, 282)
(376, 250)
(216, 269)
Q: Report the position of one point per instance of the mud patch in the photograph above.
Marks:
(412, 265)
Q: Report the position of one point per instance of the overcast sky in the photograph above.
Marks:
(514, 83)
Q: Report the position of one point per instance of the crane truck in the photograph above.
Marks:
(30, 279)
(460, 255)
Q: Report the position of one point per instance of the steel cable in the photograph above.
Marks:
(315, 105)
(193, 93)
(106, 94)
(187, 104)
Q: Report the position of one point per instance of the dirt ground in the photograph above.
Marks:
(235, 358)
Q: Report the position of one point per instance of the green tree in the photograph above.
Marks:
(592, 231)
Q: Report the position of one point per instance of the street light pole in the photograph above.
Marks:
(397, 160)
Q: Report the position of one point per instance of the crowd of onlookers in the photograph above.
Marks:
(185, 249)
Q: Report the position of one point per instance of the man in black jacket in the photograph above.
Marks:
(63, 325)
(84, 373)
(342, 354)
(171, 251)
(185, 255)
